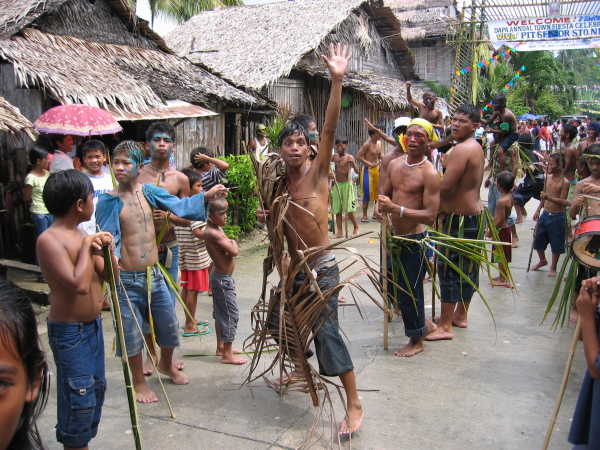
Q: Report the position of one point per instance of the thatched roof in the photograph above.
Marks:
(77, 71)
(102, 20)
(12, 121)
(386, 91)
(255, 45)
(422, 19)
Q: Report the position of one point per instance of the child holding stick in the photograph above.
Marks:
(222, 250)
(504, 183)
(72, 263)
(585, 427)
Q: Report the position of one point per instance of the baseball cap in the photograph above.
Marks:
(401, 122)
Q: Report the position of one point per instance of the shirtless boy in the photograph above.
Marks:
(412, 197)
(160, 141)
(506, 116)
(593, 131)
(462, 204)
(222, 250)
(551, 226)
(308, 187)
(572, 155)
(427, 109)
(71, 261)
(343, 199)
(369, 155)
(126, 213)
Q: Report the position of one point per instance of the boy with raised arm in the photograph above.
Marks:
(506, 116)
(308, 187)
(72, 263)
(127, 213)
(222, 250)
(427, 109)
(412, 197)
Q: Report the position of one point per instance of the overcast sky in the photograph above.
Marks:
(162, 26)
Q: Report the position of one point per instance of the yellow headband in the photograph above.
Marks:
(427, 126)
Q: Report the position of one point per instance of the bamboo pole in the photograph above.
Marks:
(563, 385)
(384, 265)
(133, 412)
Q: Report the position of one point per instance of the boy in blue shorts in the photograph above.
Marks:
(72, 263)
(126, 211)
(551, 227)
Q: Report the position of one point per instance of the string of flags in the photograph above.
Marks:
(483, 63)
(508, 85)
(586, 101)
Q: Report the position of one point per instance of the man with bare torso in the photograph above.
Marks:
(593, 131)
(308, 187)
(462, 204)
(427, 109)
(413, 185)
(369, 155)
(572, 154)
(343, 199)
(508, 124)
(160, 140)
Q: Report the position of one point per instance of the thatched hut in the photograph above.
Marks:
(99, 53)
(275, 48)
(424, 24)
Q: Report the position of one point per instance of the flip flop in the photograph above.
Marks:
(364, 219)
(200, 323)
(196, 333)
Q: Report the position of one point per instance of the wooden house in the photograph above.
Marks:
(424, 24)
(97, 52)
(275, 48)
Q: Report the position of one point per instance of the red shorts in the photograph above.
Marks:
(195, 280)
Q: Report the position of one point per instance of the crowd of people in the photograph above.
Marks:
(156, 213)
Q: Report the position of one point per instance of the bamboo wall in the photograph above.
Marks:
(199, 132)
(288, 93)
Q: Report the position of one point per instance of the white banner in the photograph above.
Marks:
(546, 33)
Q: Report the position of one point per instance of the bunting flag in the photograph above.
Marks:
(506, 87)
(586, 101)
(483, 63)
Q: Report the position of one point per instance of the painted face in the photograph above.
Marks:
(125, 168)
(218, 216)
(94, 161)
(429, 100)
(161, 146)
(15, 390)
(196, 187)
(313, 133)
(294, 149)
(416, 140)
(341, 147)
(463, 127)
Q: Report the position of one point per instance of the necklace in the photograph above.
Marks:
(162, 172)
(415, 164)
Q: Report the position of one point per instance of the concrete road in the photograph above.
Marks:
(492, 386)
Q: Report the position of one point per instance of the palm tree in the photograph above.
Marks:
(183, 10)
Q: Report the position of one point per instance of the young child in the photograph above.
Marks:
(34, 187)
(94, 156)
(71, 260)
(343, 199)
(585, 426)
(504, 183)
(25, 375)
(212, 169)
(126, 212)
(551, 226)
(194, 263)
(222, 250)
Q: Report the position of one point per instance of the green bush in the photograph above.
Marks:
(242, 198)
(232, 231)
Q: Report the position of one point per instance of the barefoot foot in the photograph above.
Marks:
(356, 232)
(235, 351)
(573, 316)
(552, 272)
(174, 374)
(440, 335)
(233, 360)
(143, 394)
(288, 379)
(337, 236)
(149, 368)
(352, 421)
(542, 263)
(413, 347)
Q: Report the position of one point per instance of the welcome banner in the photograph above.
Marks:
(546, 33)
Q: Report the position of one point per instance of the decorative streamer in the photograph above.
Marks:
(506, 87)
(483, 63)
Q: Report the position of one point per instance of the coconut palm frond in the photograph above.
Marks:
(566, 295)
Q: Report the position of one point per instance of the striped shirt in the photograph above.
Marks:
(212, 178)
(192, 250)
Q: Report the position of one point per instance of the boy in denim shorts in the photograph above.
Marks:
(127, 212)
(72, 263)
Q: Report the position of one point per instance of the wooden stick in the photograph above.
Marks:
(563, 385)
(384, 259)
(436, 227)
(591, 198)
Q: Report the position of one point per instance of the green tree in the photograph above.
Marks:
(183, 10)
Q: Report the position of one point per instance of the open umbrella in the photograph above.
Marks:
(526, 117)
(79, 120)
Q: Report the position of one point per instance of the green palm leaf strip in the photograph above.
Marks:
(566, 296)
(131, 399)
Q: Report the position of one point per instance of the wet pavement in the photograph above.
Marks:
(492, 386)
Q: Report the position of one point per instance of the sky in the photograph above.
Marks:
(163, 26)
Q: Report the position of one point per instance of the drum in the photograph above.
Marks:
(585, 246)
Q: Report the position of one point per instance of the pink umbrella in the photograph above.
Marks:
(79, 120)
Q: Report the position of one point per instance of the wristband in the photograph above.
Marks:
(401, 211)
